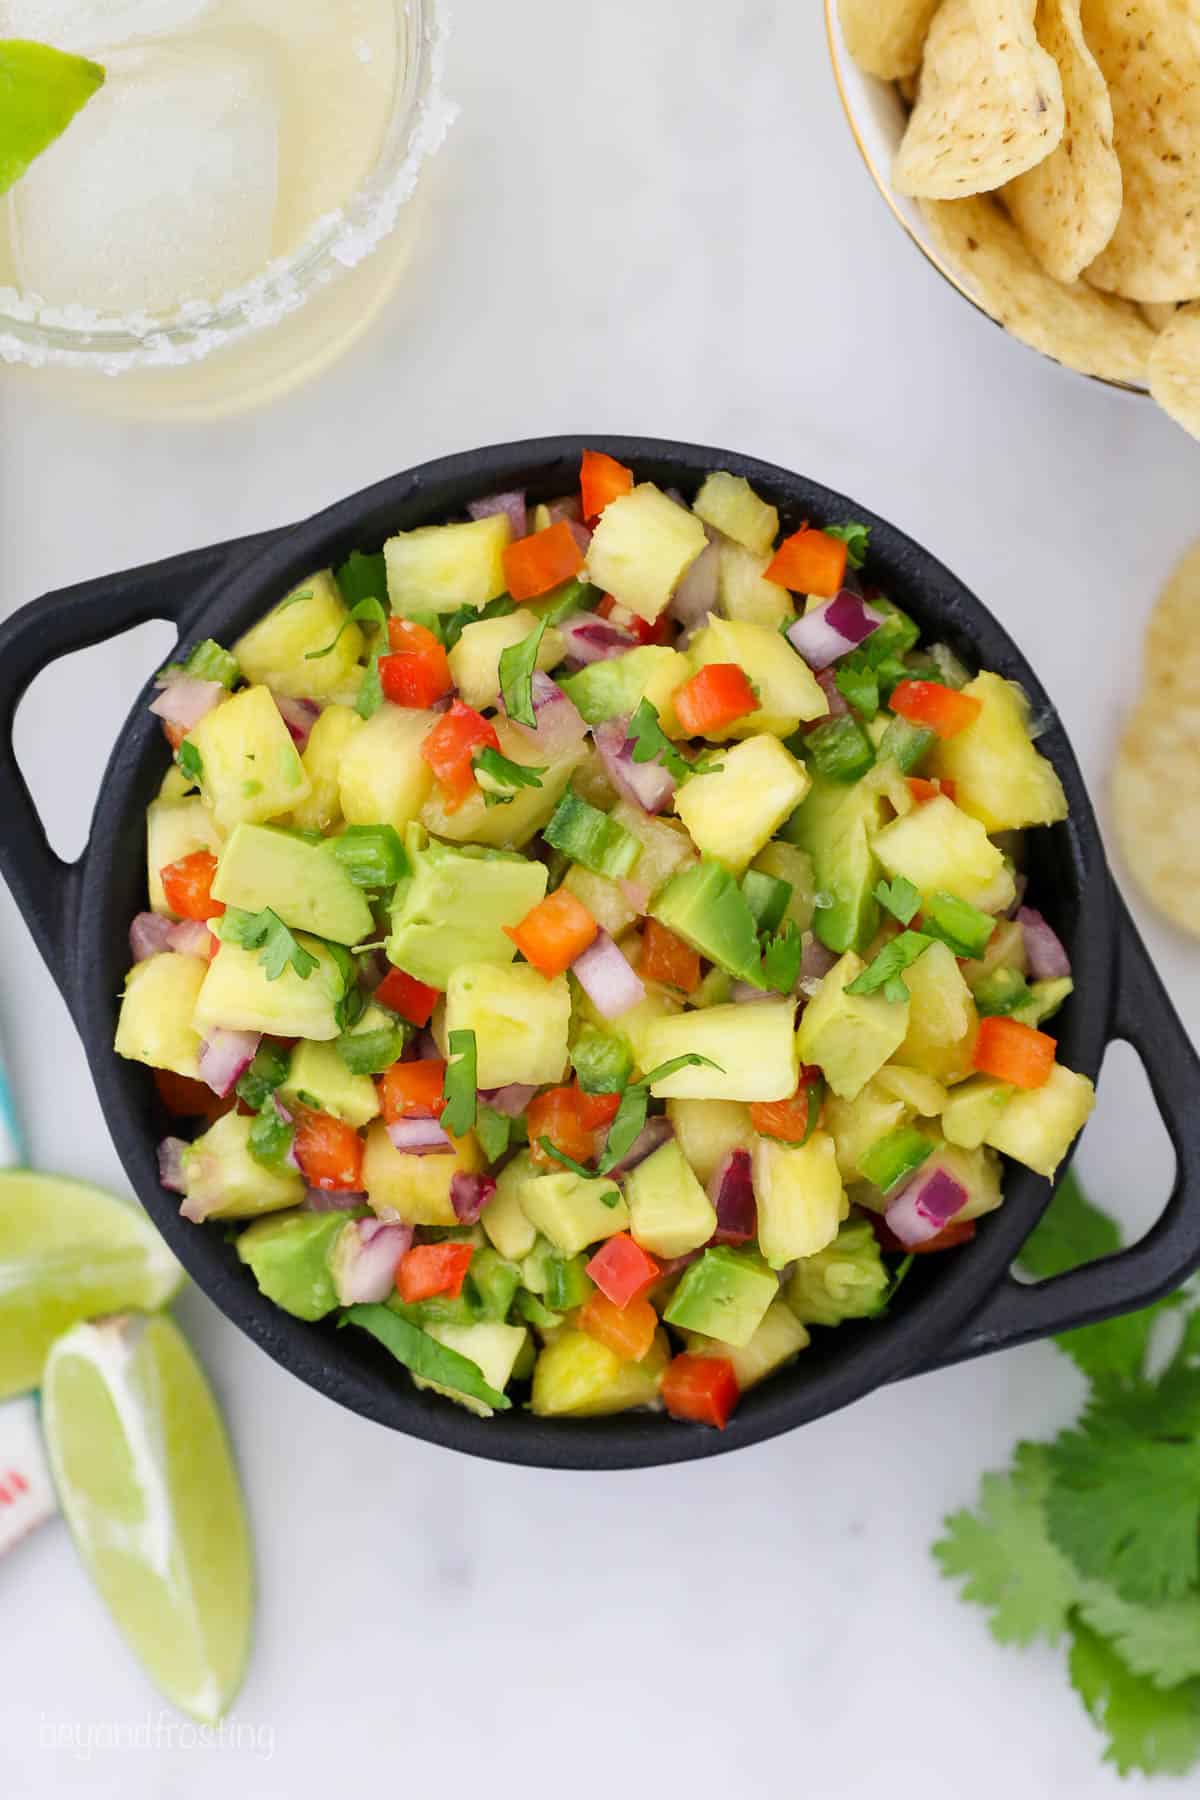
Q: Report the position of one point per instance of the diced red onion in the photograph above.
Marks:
(511, 1100)
(511, 504)
(569, 507)
(427, 1047)
(745, 993)
(364, 1259)
(646, 784)
(335, 1200)
(170, 1165)
(696, 595)
(589, 639)
(224, 1058)
(191, 937)
(731, 1190)
(815, 964)
(374, 967)
(832, 629)
(559, 728)
(654, 1134)
(299, 716)
(839, 706)
(579, 532)
(419, 1137)
(149, 935)
(1048, 960)
(184, 701)
(469, 1194)
(604, 974)
(926, 1206)
(669, 1267)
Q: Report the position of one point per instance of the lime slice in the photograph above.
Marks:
(69, 1252)
(147, 1484)
(41, 90)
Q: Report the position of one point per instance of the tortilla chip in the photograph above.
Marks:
(1149, 51)
(1156, 807)
(886, 37)
(1172, 667)
(1158, 313)
(1068, 206)
(990, 103)
(1088, 331)
(1175, 369)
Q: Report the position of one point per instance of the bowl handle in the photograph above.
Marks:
(76, 618)
(1016, 1313)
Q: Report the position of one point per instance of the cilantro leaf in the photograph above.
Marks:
(494, 1131)
(271, 1136)
(1005, 1553)
(629, 1119)
(885, 970)
(458, 1115)
(362, 577)
(1148, 1730)
(568, 1162)
(500, 772)
(190, 761)
(1160, 1642)
(781, 958)
(651, 743)
(901, 899)
(858, 683)
(423, 1355)
(267, 932)
(517, 665)
(370, 693)
(449, 627)
(856, 537)
(368, 611)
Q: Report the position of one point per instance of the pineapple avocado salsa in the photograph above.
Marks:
(589, 940)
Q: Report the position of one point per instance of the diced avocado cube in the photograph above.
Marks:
(318, 1078)
(615, 687)
(568, 1283)
(494, 1349)
(503, 1218)
(572, 1210)
(1037, 1128)
(577, 1376)
(669, 1212)
(520, 1021)
(438, 568)
(225, 1181)
(767, 897)
(511, 825)
(290, 1259)
(800, 1197)
(642, 547)
(707, 1130)
(938, 846)
(753, 1047)
(788, 691)
(704, 906)
(1000, 777)
(1045, 999)
(494, 1281)
(725, 1295)
(384, 778)
(835, 825)
(236, 994)
(742, 592)
(848, 1279)
(735, 810)
(175, 829)
(779, 1338)
(281, 650)
(156, 1024)
(328, 742)
(918, 1091)
(250, 768)
(453, 906)
(730, 505)
(942, 1020)
(414, 1188)
(302, 883)
(854, 1125)
(475, 659)
(849, 1036)
(972, 1108)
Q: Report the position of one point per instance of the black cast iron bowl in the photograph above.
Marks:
(951, 1308)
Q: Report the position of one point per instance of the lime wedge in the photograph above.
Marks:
(41, 90)
(147, 1484)
(69, 1252)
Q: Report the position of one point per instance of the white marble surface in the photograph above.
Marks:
(651, 218)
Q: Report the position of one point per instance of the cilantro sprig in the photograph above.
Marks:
(901, 899)
(459, 1086)
(651, 744)
(857, 538)
(517, 665)
(266, 931)
(501, 779)
(885, 970)
(364, 612)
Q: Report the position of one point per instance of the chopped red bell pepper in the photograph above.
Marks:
(450, 748)
(329, 1151)
(187, 885)
(418, 671)
(939, 709)
(429, 1269)
(402, 993)
(667, 959)
(535, 565)
(790, 1120)
(703, 1389)
(628, 1331)
(412, 1090)
(713, 698)
(570, 1119)
(622, 1270)
(188, 1099)
(809, 562)
(1014, 1052)
(660, 632)
(601, 479)
(554, 932)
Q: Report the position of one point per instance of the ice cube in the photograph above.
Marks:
(96, 24)
(162, 189)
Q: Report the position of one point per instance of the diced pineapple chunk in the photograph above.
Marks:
(788, 691)
(642, 548)
(604, 899)
(669, 1212)
(973, 1108)
(327, 744)
(1006, 950)
(753, 1047)
(787, 863)
(415, 1188)
(919, 1092)
(175, 828)
(742, 592)
(940, 848)
(493, 1349)
(237, 996)
(855, 1125)
(1002, 779)
(849, 1036)
(730, 505)
(384, 778)
(475, 659)
(666, 847)
(520, 1021)
(155, 1026)
(707, 1130)
(942, 1021)
(439, 568)
(1038, 1128)
(636, 1025)
(281, 651)
(511, 826)
(572, 1210)
(503, 1218)
(734, 811)
(225, 1180)
(779, 1338)
(579, 1377)
(250, 768)
(801, 1200)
